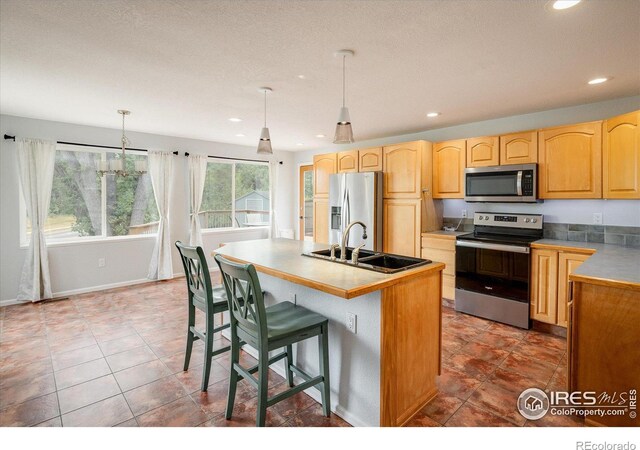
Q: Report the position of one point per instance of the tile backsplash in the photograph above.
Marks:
(603, 234)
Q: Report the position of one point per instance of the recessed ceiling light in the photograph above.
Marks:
(565, 4)
(234, 119)
(320, 135)
(239, 135)
(598, 80)
(433, 114)
(302, 77)
(299, 144)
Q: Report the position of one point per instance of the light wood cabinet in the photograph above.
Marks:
(621, 157)
(567, 264)
(544, 285)
(321, 220)
(442, 249)
(370, 159)
(323, 166)
(570, 161)
(448, 169)
(483, 151)
(347, 161)
(401, 165)
(519, 148)
(401, 226)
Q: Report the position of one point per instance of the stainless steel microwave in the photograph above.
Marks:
(513, 183)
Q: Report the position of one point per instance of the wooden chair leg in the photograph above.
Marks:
(289, 361)
(263, 387)
(323, 345)
(233, 376)
(190, 339)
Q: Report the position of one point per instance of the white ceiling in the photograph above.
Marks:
(184, 67)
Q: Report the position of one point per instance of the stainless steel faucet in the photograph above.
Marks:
(345, 238)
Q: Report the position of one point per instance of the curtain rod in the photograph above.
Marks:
(13, 138)
(236, 159)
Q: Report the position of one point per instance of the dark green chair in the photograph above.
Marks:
(208, 299)
(268, 329)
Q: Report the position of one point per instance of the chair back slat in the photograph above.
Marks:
(244, 297)
(196, 271)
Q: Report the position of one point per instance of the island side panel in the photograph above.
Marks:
(354, 359)
(411, 332)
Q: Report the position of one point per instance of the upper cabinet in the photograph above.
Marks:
(448, 169)
(621, 157)
(483, 151)
(570, 161)
(348, 161)
(401, 165)
(323, 166)
(519, 148)
(370, 159)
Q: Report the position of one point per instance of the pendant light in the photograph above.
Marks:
(264, 144)
(344, 133)
(117, 166)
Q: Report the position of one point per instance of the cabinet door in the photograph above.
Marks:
(348, 161)
(621, 157)
(544, 285)
(567, 263)
(401, 165)
(448, 169)
(570, 161)
(519, 148)
(401, 226)
(323, 166)
(370, 159)
(321, 220)
(482, 152)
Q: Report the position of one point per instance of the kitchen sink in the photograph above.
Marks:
(376, 261)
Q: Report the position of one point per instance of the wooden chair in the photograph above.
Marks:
(268, 329)
(207, 298)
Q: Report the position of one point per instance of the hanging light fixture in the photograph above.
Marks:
(264, 144)
(344, 133)
(117, 166)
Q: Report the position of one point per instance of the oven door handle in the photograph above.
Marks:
(519, 183)
(499, 247)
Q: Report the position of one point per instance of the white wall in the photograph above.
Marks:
(615, 212)
(74, 267)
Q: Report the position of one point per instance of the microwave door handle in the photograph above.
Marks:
(519, 183)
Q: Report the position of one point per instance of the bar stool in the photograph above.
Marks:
(268, 329)
(207, 298)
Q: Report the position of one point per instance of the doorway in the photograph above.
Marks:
(305, 209)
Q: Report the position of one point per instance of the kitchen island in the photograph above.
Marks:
(385, 372)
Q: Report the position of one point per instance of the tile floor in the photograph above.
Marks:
(114, 358)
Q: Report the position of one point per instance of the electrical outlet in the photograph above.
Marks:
(352, 321)
(292, 298)
(101, 262)
(464, 213)
(597, 218)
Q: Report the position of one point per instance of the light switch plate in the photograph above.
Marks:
(597, 218)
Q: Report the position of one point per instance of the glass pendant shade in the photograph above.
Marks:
(344, 132)
(264, 144)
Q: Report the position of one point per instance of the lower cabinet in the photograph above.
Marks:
(442, 249)
(401, 226)
(550, 270)
(321, 220)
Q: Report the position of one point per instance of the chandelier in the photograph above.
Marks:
(117, 166)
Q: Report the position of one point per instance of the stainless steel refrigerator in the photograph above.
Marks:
(356, 196)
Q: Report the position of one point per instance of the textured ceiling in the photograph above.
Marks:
(184, 67)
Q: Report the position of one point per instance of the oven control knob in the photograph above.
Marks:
(534, 220)
(527, 220)
(486, 217)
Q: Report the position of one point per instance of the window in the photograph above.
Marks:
(84, 204)
(236, 195)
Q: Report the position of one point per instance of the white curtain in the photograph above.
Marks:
(273, 183)
(36, 160)
(160, 170)
(197, 175)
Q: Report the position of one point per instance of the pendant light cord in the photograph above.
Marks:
(124, 138)
(344, 58)
(265, 108)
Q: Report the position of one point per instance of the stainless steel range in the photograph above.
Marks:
(493, 267)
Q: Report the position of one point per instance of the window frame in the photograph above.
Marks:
(59, 242)
(212, 159)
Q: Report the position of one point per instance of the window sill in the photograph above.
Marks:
(93, 241)
(231, 230)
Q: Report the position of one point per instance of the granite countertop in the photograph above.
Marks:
(609, 264)
(283, 258)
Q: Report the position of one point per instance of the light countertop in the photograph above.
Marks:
(444, 234)
(283, 258)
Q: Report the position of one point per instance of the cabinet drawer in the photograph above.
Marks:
(449, 286)
(439, 243)
(444, 256)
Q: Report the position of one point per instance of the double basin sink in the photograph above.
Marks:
(376, 261)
